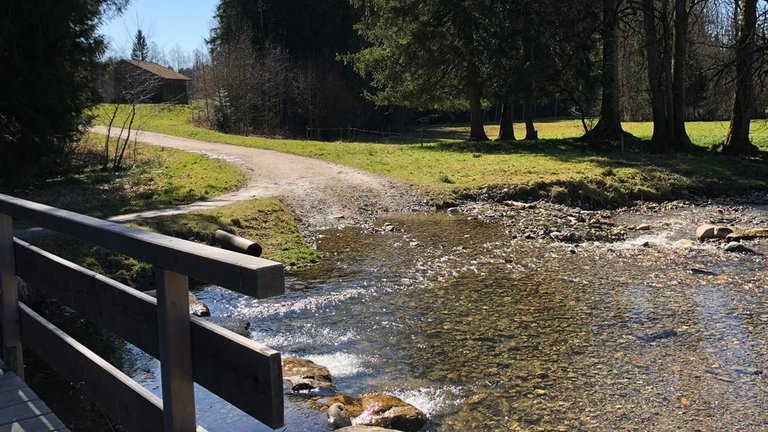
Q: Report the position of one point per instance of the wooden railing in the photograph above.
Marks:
(244, 373)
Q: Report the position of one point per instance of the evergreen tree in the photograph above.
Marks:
(426, 54)
(49, 62)
(140, 49)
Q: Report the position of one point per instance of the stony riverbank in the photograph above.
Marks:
(545, 220)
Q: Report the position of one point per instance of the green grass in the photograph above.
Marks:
(163, 177)
(267, 222)
(446, 166)
(160, 177)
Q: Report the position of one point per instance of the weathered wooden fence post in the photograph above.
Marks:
(9, 298)
(175, 351)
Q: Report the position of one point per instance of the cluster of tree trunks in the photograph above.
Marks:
(737, 141)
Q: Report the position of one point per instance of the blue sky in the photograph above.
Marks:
(166, 22)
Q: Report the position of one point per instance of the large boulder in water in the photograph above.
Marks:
(338, 416)
(722, 232)
(364, 428)
(748, 234)
(705, 232)
(709, 232)
(353, 405)
(196, 307)
(303, 374)
(737, 247)
(390, 412)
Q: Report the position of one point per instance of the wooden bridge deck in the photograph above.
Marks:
(21, 410)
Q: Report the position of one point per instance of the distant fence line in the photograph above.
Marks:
(345, 133)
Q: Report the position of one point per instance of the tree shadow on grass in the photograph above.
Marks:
(197, 227)
(108, 194)
(635, 154)
(652, 176)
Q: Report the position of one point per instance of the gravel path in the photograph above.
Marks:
(321, 194)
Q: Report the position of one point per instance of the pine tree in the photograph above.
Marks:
(426, 55)
(140, 50)
(49, 62)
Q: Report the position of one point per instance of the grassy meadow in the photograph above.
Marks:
(439, 160)
(156, 178)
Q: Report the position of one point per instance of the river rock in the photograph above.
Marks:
(303, 374)
(453, 211)
(363, 428)
(353, 405)
(517, 205)
(196, 307)
(643, 227)
(705, 232)
(722, 232)
(748, 234)
(737, 247)
(338, 417)
(235, 324)
(708, 232)
(390, 412)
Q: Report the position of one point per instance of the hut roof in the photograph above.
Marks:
(161, 71)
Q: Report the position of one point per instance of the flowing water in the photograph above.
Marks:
(483, 332)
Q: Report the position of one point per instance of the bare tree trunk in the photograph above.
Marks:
(507, 124)
(609, 125)
(531, 134)
(737, 141)
(118, 164)
(682, 13)
(476, 129)
(105, 162)
(657, 78)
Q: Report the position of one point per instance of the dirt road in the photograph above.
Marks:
(321, 194)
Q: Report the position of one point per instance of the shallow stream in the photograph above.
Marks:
(484, 332)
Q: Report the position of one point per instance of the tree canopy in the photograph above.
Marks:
(49, 62)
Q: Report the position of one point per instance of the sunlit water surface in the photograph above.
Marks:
(487, 333)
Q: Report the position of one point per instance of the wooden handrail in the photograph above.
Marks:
(252, 276)
(237, 369)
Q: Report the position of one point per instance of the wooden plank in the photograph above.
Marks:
(15, 396)
(23, 411)
(175, 350)
(9, 381)
(239, 370)
(43, 423)
(9, 299)
(113, 306)
(249, 275)
(122, 399)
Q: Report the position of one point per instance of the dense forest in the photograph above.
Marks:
(50, 54)
(285, 67)
(282, 66)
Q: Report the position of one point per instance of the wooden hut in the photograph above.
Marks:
(144, 82)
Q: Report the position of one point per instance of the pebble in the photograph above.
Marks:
(737, 247)
(548, 221)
